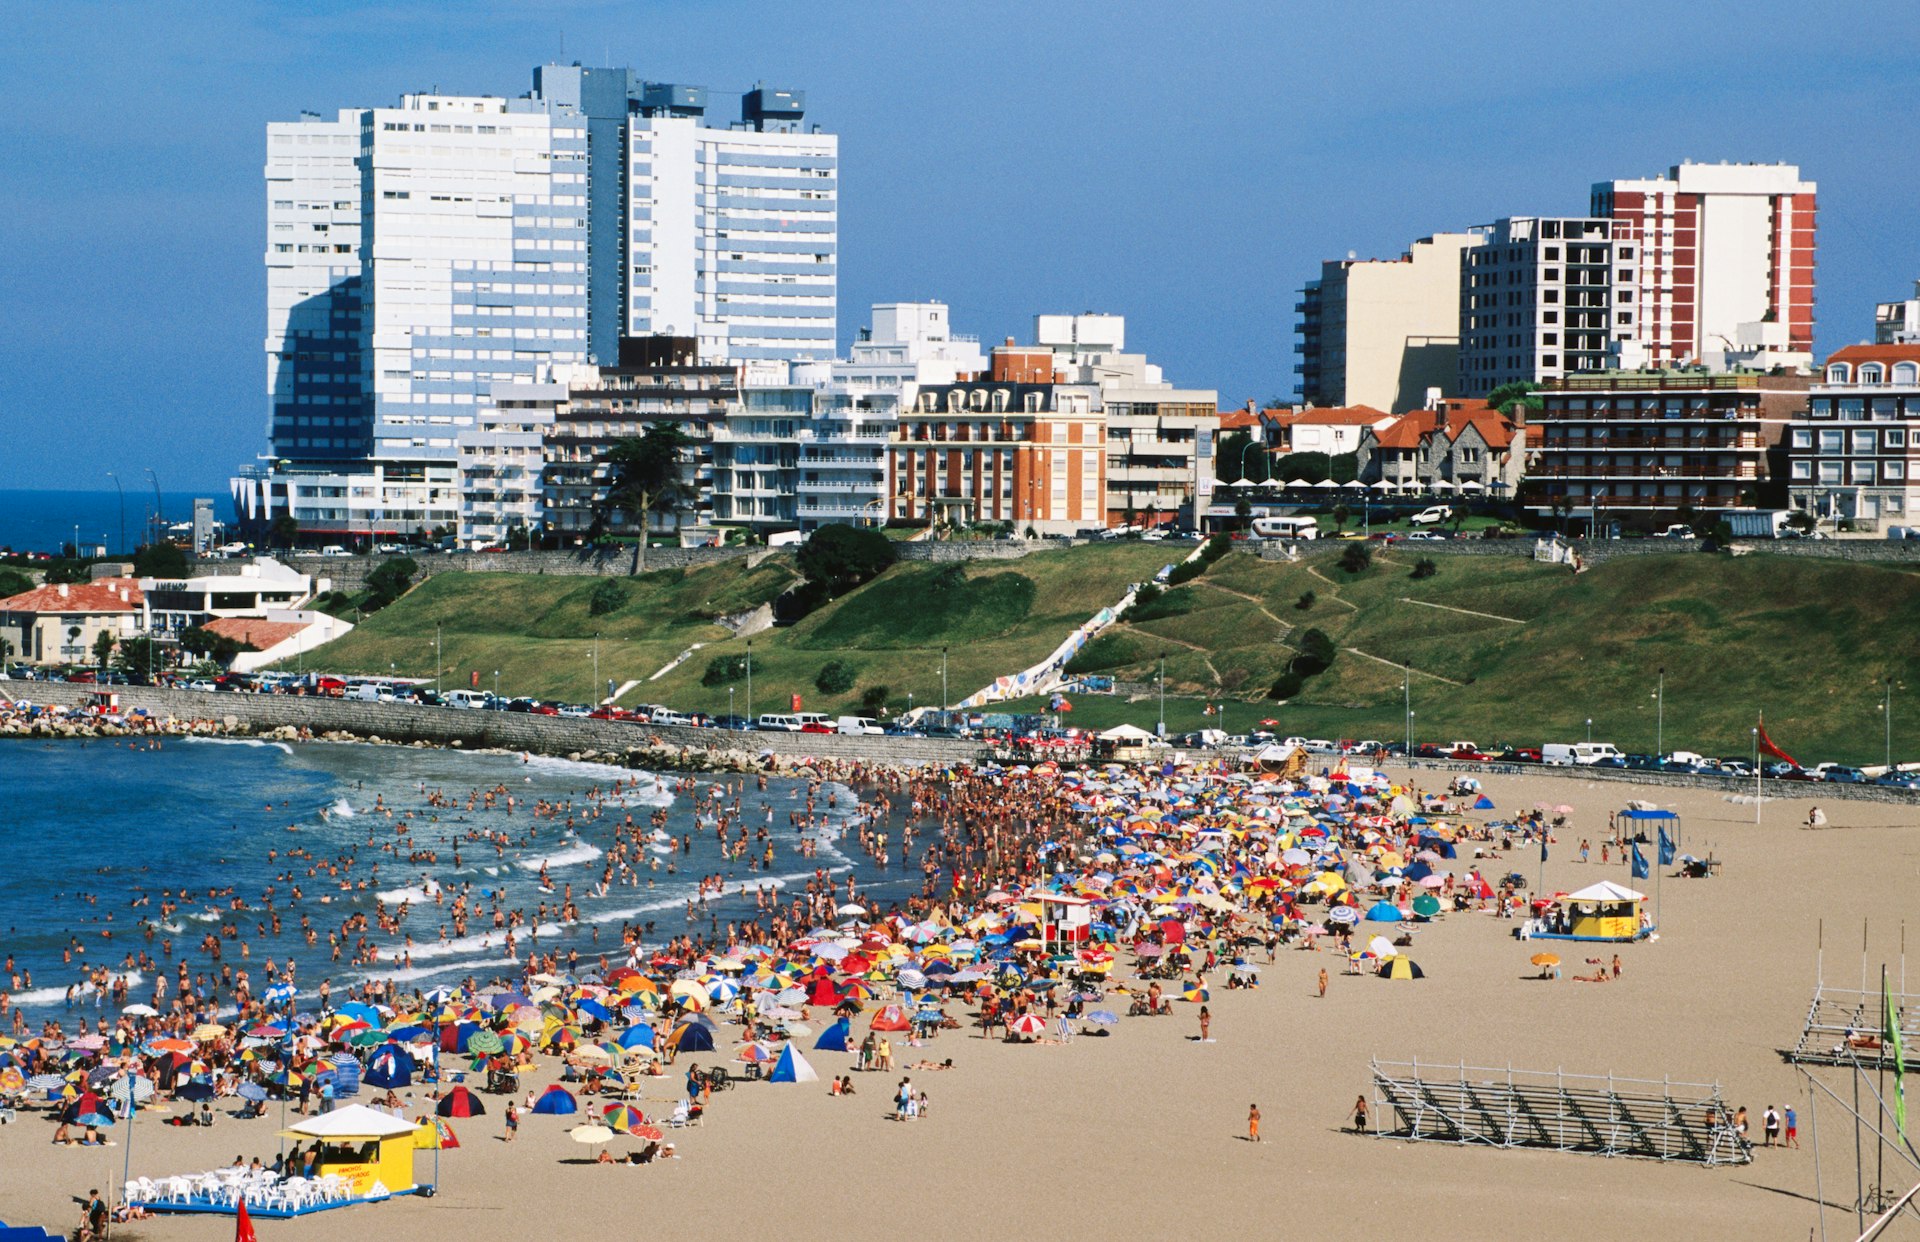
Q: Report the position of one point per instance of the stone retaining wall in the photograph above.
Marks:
(1595, 551)
(1805, 791)
(349, 573)
(546, 735)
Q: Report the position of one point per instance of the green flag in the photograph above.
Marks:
(1891, 1038)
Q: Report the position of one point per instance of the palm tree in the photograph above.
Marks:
(644, 473)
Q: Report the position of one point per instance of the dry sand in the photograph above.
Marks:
(1140, 1135)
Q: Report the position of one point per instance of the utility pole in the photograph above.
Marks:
(943, 679)
(1406, 692)
(593, 687)
(437, 661)
(749, 681)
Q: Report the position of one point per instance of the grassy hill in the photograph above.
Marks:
(1501, 649)
(1508, 650)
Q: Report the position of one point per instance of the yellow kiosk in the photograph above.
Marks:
(371, 1150)
(1603, 911)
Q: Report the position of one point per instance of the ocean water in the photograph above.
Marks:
(41, 521)
(93, 827)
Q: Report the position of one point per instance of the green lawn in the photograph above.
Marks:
(1503, 649)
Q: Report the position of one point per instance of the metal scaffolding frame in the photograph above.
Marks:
(1843, 1027)
(1585, 1113)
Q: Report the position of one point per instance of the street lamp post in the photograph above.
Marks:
(1406, 692)
(1660, 717)
(121, 493)
(1161, 728)
(496, 684)
(1589, 730)
(1756, 773)
(593, 687)
(1887, 709)
(749, 680)
(159, 510)
(731, 722)
(437, 662)
(943, 679)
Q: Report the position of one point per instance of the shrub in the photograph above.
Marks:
(873, 700)
(1316, 655)
(1158, 604)
(1425, 568)
(388, 582)
(608, 596)
(836, 677)
(724, 670)
(1306, 601)
(160, 560)
(1356, 558)
(1105, 651)
(13, 582)
(1286, 686)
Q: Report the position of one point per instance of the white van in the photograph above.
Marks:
(775, 723)
(333, 549)
(667, 716)
(466, 700)
(857, 724)
(1560, 754)
(366, 692)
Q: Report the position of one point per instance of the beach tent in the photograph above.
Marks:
(890, 1018)
(835, 1038)
(362, 1145)
(1401, 968)
(460, 1102)
(1483, 803)
(792, 1067)
(556, 1101)
(691, 1037)
(1384, 912)
(389, 1066)
(1603, 911)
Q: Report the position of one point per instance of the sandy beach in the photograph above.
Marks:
(1141, 1135)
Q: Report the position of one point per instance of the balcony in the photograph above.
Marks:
(1665, 444)
(1745, 471)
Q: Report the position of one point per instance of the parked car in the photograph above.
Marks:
(1432, 515)
(736, 723)
(1426, 536)
(1845, 775)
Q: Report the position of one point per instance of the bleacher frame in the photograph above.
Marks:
(1550, 1109)
(1837, 1016)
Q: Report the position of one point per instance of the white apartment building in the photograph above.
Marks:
(733, 233)
(1724, 263)
(1382, 332)
(1898, 323)
(1159, 439)
(502, 460)
(1545, 297)
(842, 474)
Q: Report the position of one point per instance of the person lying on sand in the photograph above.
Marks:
(931, 1065)
(1598, 976)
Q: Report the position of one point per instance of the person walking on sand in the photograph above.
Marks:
(1770, 1125)
(1816, 818)
(1323, 982)
(1360, 1114)
(1253, 1122)
(1793, 1128)
(513, 1122)
(1206, 1022)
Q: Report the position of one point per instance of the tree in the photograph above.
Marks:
(1424, 568)
(103, 645)
(69, 571)
(1243, 512)
(285, 530)
(160, 560)
(6, 651)
(1340, 515)
(13, 582)
(644, 473)
(140, 658)
(873, 700)
(840, 558)
(724, 670)
(199, 641)
(389, 581)
(1520, 393)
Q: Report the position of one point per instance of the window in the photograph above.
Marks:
(1871, 373)
(1862, 442)
(1896, 438)
(1831, 441)
(1906, 373)
(1894, 471)
(1803, 471)
(1839, 373)
(1830, 473)
(1802, 438)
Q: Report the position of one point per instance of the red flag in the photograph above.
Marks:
(1767, 746)
(242, 1223)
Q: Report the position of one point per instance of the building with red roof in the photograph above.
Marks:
(58, 623)
(1457, 443)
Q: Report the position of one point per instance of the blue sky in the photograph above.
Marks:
(1186, 165)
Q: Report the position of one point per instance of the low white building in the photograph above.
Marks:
(250, 589)
(280, 634)
(502, 462)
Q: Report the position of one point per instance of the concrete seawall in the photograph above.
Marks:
(545, 735)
